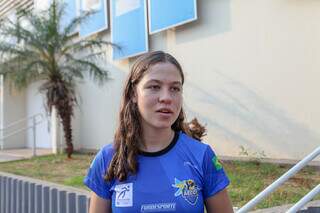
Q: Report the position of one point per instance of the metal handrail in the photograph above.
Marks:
(20, 130)
(305, 199)
(252, 203)
(21, 120)
(33, 126)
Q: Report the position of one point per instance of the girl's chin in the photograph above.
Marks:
(158, 123)
(162, 125)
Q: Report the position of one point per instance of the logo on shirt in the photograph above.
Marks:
(123, 195)
(187, 189)
(158, 207)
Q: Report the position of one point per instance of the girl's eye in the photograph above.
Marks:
(154, 87)
(176, 89)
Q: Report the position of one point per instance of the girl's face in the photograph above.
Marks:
(159, 96)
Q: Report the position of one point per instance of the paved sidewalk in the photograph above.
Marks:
(18, 154)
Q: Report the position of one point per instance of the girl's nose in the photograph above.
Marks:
(165, 97)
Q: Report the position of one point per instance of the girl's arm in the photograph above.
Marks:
(99, 205)
(220, 202)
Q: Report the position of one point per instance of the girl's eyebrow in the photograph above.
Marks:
(160, 82)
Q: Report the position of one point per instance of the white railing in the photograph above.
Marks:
(305, 199)
(252, 203)
(36, 119)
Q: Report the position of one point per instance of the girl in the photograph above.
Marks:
(156, 163)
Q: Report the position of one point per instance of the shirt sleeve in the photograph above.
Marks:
(95, 177)
(215, 179)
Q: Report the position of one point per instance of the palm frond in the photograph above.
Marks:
(37, 46)
(97, 73)
(22, 71)
(74, 23)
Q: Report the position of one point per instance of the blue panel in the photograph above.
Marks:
(129, 28)
(97, 21)
(164, 14)
(70, 12)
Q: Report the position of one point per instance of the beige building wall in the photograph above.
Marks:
(17, 105)
(251, 76)
(96, 117)
(35, 105)
(14, 109)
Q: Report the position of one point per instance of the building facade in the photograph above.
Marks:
(252, 74)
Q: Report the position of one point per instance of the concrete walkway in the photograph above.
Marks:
(18, 154)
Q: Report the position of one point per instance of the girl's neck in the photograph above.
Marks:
(156, 140)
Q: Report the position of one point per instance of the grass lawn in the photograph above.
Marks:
(250, 178)
(247, 178)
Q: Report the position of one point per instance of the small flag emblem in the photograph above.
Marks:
(216, 163)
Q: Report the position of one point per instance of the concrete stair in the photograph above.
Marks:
(311, 209)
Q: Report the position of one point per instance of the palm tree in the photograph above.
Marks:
(36, 47)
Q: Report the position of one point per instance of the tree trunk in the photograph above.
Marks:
(65, 111)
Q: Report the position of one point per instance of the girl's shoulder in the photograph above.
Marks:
(104, 155)
(108, 149)
(193, 143)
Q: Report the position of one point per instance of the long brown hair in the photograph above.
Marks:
(129, 132)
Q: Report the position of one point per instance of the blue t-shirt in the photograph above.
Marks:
(176, 179)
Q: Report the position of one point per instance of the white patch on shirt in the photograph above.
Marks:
(124, 194)
(158, 207)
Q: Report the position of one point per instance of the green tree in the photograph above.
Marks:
(38, 46)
